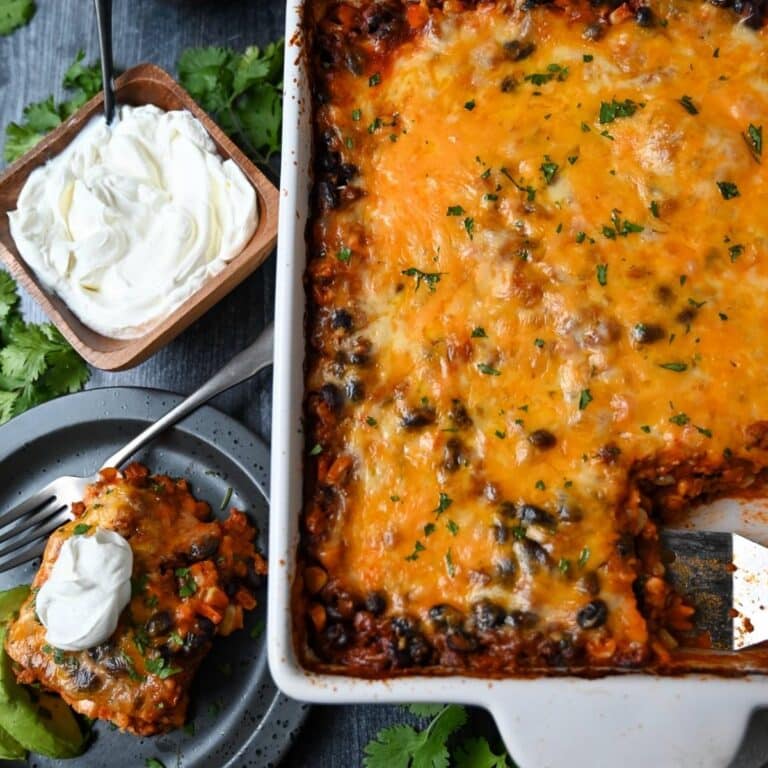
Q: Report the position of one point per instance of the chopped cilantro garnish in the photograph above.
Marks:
(455, 210)
(687, 103)
(417, 547)
(374, 79)
(610, 110)
(587, 57)
(479, 333)
(584, 556)
(602, 274)
(488, 370)
(703, 431)
(676, 367)
(429, 529)
(681, 419)
(187, 583)
(469, 226)
(80, 529)
(728, 189)
(371, 422)
(654, 209)
(645, 428)
(469, 105)
(539, 342)
(316, 450)
(549, 169)
(444, 502)
(754, 137)
(453, 527)
(161, 668)
(585, 398)
(430, 278)
(449, 566)
(735, 251)
(357, 114)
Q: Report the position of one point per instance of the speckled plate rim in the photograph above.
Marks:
(274, 734)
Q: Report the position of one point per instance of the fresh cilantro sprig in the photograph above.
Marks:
(42, 117)
(36, 362)
(15, 14)
(242, 91)
(403, 746)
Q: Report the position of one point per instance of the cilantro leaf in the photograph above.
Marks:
(9, 298)
(15, 14)
(401, 746)
(242, 91)
(476, 753)
(425, 710)
(43, 116)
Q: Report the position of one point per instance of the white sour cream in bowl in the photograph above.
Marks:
(131, 219)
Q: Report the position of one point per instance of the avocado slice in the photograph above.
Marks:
(10, 602)
(10, 749)
(46, 726)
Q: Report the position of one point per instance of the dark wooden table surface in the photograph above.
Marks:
(32, 62)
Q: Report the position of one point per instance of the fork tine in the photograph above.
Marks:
(30, 553)
(9, 531)
(30, 535)
(28, 505)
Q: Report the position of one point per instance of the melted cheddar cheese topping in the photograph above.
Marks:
(553, 277)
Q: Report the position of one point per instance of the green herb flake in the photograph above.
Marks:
(602, 274)
(488, 370)
(80, 529)
(585, 398)
(469, 105)
(357, 115)
(584, 557)
(581, 237)
(564, 565)
(186, 581)
(687, 103)
(449, 564)
(455, 210)
(722, 316)
(610, 110)
(257, 630)
(374, 79)
(735, 251)
(754, 137)
(344, 254)
(587, 58)
(161, 668)
(645, 428)
(430, 278)
(681, 419)
(227, 498)
(453, 527)
(654, 209)
(370, 421)
(429, 529)
(540, 486)
(478, 332)
(153, 762)
(538, 343)
(469, 226)
(677, 367)
(703, 431)
(501, 435)
(549, 169)
(728, 190)
(417, 547)
(316, 450)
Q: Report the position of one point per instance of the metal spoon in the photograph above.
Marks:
(104, 20)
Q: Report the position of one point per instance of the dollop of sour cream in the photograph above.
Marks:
(131, 219)
(88, 587)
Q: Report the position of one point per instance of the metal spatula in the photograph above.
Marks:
(725, 577)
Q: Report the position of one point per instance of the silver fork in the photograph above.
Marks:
(25, 527)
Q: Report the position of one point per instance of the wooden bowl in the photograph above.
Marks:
(144, 84)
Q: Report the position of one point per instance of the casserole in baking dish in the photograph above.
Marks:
(533, 335)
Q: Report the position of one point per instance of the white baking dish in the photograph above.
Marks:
(631, 721)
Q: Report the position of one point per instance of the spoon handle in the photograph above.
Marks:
(104, 20)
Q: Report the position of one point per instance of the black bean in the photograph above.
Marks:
(115, 664)
(508, 509)
(609, 453)
(329, 161)
(626, 545)
(590, 583)
(100, 652)
(376, 603)
(346, 173)
(85, 679)
(592, 615)
(531, 514)
(506, 568)
(517, 50)
(500, 533)
(533, 552)
(647, 333)
(543, 439)
(458, 414)
(521, 619)
(355, 390)
(204, 549)
(445, 615)
(644, 16)
(569, 512)
(418, 417)
(593, 32)
(332, 396)
(337, 635)
(508, 84)
(453, 455)
(327, 196)
(418, 649)
(200, 636)
(461, 641)
(488, 615)
(360, 353)
(341, 319)
(253, 580)
(159, 624)
(403, 626)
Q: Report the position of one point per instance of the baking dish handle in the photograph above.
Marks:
(664, 722)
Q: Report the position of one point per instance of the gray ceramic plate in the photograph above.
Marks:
(238, 716)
